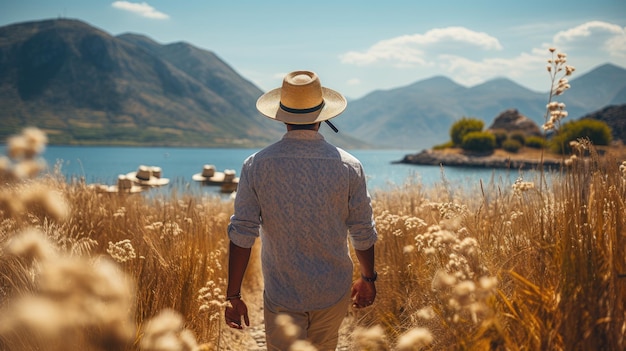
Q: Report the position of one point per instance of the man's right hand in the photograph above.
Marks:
(363, 293)
(234, 313)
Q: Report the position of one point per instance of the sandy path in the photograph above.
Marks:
(253, 338)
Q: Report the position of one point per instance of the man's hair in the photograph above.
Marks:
(302, 126)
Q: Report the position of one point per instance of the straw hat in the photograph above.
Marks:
(209, 175)
(230, 182)
(301, 100)
(229, 176)
(148, 176)
(228, 187)
(124, 186)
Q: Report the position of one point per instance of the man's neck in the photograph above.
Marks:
(312, 127)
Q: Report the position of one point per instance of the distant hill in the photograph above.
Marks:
(615, 117)
(421, 114)
(85, 86)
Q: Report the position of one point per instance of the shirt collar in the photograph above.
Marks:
(303, 135)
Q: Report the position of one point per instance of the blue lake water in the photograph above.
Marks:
(104, 164)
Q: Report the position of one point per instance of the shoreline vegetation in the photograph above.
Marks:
(526, 159)
(458, 158)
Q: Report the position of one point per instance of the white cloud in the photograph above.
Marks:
(471, 72)
(617, 45)
(142, 9)
(354, 81)
(416, 49)
(582, 43)
(453, 52)
(608, 37)
(586, 30)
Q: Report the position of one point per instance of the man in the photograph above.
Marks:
(304, 197)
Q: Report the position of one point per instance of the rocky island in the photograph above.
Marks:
(498, 159)
(526, 158)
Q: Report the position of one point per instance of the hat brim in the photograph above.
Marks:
(269, 105)
(218, 177)
(133, 190)
(153, 181)
(111, 189)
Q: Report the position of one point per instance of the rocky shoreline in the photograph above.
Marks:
(442, 158)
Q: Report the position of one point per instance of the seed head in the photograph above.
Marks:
(414, 339)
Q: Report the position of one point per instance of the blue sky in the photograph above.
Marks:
(357, 47)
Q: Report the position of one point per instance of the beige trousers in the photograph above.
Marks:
(319, 327)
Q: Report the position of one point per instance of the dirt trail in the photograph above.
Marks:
(253, 338)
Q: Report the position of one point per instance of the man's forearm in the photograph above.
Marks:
(366, 261)
(238, 258)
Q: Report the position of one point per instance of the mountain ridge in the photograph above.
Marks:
(425, 117)
(85, 86)
(90, 83)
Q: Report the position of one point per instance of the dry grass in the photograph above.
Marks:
(534, 266)
(497, 268)
(507, 269)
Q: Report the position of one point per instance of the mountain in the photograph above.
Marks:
(393, 117)
(596, 88)
(84, 86)
(615, 117)
(619, 97)
(421, 114)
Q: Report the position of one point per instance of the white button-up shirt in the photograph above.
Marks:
(304, 197)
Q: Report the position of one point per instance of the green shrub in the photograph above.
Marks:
(479, 142)
(464, 126)
(445, 145)
(501, 136)
(536, 142)
(511, 145)
(519, 137)
(598, 132)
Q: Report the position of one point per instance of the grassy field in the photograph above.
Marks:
(528, 267)
(539, 265)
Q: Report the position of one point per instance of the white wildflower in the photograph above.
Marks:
(414, 339)
(121, 251)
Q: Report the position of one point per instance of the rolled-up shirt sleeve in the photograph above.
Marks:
(246, 219)
(360, 221)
